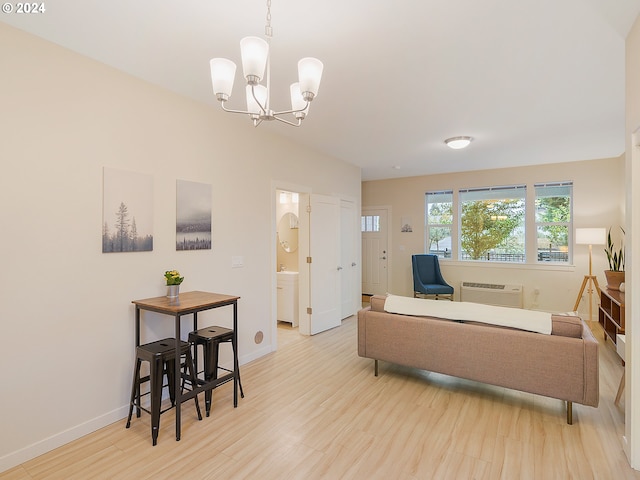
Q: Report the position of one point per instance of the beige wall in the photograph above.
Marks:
(632, 390)
(598, 202)
(67, 317)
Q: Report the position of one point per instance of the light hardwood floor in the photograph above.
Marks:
(314, 410)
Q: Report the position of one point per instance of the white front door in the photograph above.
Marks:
(322, 309)
(375, 251)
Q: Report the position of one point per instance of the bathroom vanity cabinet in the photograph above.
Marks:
(288, 297)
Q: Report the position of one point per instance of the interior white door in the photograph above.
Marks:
(324, 276)
(348, 258)
(375, 252)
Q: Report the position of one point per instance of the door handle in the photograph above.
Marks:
(339, 268)
(383, 258)
(353, 264)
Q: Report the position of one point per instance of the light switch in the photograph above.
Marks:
(237, 262)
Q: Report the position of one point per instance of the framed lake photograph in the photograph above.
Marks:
(127, 211)
(193, 215)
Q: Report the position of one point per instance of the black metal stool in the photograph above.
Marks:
(210, 338)
(161, 358)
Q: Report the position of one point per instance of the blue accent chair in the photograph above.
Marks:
(427, 278)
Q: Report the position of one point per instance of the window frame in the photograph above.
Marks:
(493, 193)
(449, 226)
(374, 223)
(568, 224)
(529, 224)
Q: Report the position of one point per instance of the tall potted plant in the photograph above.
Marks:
(615, 274)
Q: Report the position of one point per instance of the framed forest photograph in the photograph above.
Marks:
(127, 211)
(193, 215)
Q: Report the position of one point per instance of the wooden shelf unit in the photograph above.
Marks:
(611, 313)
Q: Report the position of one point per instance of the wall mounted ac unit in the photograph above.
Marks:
(504, 295)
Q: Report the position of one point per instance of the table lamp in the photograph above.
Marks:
(589, 236)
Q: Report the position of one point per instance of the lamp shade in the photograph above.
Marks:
(254, 51)
(309, 75)
(223, 73)
(261, 94)
(297, 101)
(591, 236)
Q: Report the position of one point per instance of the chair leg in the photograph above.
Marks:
(169, 367)
(192, 374)
(210, 371)
(234, 356)
(156, 374)
(239, 381)
(135, 399)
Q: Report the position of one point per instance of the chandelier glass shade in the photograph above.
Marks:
(256, 68)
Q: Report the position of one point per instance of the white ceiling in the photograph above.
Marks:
(532, 82)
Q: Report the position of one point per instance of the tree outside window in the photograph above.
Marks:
(438, 222)
(553, 221)
(492, 224)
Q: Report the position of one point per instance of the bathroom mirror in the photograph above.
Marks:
(288, 232)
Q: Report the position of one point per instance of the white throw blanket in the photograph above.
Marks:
(529, 320)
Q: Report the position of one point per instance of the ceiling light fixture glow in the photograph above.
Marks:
(255, 60)
(458, 142)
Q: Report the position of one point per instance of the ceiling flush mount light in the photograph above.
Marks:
(255, 60)
(458, 142)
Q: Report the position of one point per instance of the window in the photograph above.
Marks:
(438, 223)
(492, 224)
(370, 223)
(553, 221)
(496, 224)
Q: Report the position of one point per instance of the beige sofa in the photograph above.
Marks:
(563, 365)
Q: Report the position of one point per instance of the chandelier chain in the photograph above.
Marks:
(268, 31)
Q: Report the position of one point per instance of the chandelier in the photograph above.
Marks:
(255, 60)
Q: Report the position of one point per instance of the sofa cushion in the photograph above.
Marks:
(523, 319)
(564, 325)
(377, 303)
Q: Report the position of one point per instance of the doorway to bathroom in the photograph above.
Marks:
(287, 258)
(316, 260)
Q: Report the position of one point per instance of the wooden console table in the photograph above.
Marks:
(186, 304)
(611, 313)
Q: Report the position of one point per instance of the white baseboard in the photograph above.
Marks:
(46, 445)
(255, 355)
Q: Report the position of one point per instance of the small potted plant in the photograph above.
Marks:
(174, 280)
(615, 274)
